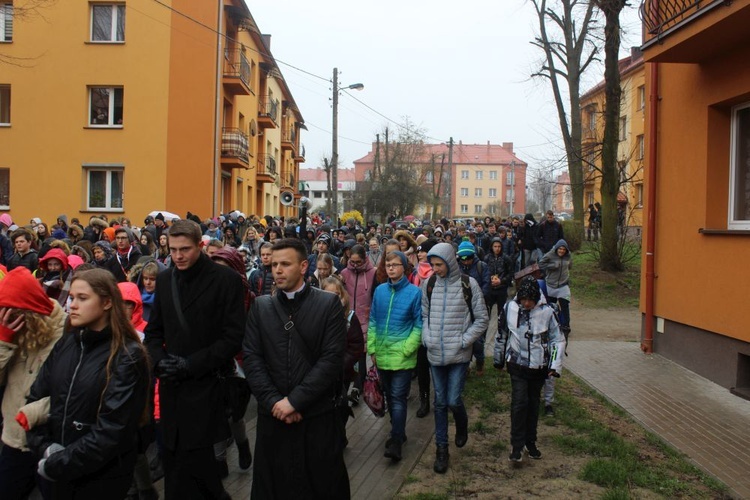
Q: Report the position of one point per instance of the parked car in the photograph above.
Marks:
(563, 216)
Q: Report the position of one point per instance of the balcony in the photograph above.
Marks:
(237, 76)
(266, 170)
(234, 148)
(299, 156)
(287, 182)
(289, 140)
(268, 113)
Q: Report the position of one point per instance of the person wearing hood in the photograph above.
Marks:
(530, 344)
(500, 267)
(30, 325)
(527, 241)
(471, 264)
(55, 275)
(449, 331)
(408, 245)
(322, 245)
(393, 337)
(95, 230)
(359, 280)
(102, 252)
(423, 273)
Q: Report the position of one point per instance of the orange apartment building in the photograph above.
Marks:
(630, 151)
(482, 180)
(562, 195)
(127, 107)
(698, 180)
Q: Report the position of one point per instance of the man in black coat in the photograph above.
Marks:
(189, 351)
(549, 232)
(293, 358)
(126, 255)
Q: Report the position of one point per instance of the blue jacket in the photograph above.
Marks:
(480, 272)
(395, 328)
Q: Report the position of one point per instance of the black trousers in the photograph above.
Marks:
(17, 473)
(192, 474)
(524, 407)
(423, 371)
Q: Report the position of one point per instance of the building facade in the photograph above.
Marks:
(130, 107)
(314, 185)
(698, 175)
(562, 195)
(630, 151)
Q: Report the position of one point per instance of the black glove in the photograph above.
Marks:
(499, 364)
(173, 368)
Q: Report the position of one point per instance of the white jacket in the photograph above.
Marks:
(535, 340)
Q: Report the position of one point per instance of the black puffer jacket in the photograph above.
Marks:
(275, 365)
(97, 430)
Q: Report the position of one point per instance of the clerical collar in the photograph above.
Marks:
(290, 295)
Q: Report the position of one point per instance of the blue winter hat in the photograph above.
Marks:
(59, 234)
(466, 249)
(402, 256)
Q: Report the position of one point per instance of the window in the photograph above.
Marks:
(639, 195)
(739, 169)
(104, 188)
(479, 175)
(464, 174)
(5, 188)
(108, 23)
(509, 195)
(4, 104)
(493, 175)
(592, 120)
(6, 22)
(464, 209)
(464, 192)
(640, 152)
(318, 194)
(428, 178)
(590, 198)
(642, 97)
(492, 209)
(477, 209)
(493, 193)
(105, 106)
(623, 128)
(477, 192)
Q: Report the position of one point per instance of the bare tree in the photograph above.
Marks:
(20, 12)
(566, 32)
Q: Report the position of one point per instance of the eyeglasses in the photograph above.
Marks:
(356, 262)
(392, 265)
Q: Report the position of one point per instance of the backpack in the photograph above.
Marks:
(465, 288)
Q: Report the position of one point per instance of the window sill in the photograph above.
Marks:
(724, 232)
(103, 211)
(104, 127)
(4, 125)
(104, 42)
(6, 41)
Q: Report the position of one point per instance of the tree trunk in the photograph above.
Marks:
(610, 256)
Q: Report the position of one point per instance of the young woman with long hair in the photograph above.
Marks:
(97, 381)
(30, 324)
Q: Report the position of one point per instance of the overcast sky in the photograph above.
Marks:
(457, 69)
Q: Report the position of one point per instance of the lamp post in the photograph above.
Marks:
(335, 140)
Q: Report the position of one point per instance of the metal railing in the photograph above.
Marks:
(660, 15)
(269, 108)
(270, 164)
(290, 135)
(234, 143)
(237, 65)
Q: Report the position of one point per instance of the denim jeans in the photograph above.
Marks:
(396, 388)
(524, 412)
(449, 384)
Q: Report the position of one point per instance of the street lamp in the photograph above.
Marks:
(335, 139)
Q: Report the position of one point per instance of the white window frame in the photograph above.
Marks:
(493, 192)
(492, 209)
(113, 25)
(479, 175)
(429, 177)
(477, 192)
(108, 198)
(639, 195)
(642, 97)
(464, 174)
(734, 158)
(509, 178)
(623, 129)
(9, 98)
(464, 192)
(5, 206)
(6, 22)
(478, 209)
(464, 209)
(641, 147)
(493, 175)
(111, 105)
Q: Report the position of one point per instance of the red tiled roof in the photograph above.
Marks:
(319, 174)
(463, 154)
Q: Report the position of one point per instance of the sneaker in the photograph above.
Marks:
(516, 455)
(354, 397)
(533, 451)
(549, 411)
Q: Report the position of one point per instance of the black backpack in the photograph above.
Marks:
(465, 288)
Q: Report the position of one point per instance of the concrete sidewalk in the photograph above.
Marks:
(695, 416)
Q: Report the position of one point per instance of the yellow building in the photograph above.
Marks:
(128, 107)
(630, 152)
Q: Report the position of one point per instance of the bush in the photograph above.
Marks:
(573, 231)
(353, 214)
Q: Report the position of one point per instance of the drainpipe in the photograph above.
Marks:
(218, 107)
(647, 344)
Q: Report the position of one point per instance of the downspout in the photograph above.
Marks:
(218, 107)
(647, 344)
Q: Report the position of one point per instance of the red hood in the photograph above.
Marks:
(131, 293)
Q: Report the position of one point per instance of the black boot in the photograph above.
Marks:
(246, 458)
(424, 405)
(441, 459)
(393, 449)
(462, 430)
(223, 468)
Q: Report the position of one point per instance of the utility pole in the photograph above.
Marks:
(449, 184)
(512, 186)
(335, 148)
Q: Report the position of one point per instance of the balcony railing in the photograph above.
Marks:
(269, 108)
(660, 15)
(290, 135)
(270, 165)
(237, 65)
(234, 143)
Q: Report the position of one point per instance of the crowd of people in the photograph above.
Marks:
(117, 339)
